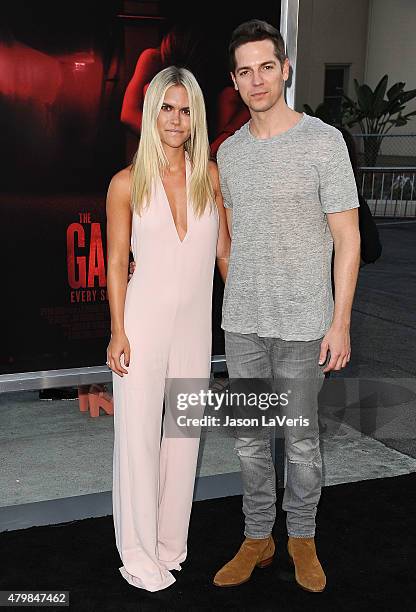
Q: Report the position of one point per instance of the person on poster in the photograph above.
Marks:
(190, 46)
(168, 204)
(290, 196)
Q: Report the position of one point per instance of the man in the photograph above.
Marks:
(290, 196)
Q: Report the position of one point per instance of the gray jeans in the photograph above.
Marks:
(252, 357)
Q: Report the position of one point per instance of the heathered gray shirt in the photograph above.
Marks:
(280, 189)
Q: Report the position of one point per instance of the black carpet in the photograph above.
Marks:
(366, 537)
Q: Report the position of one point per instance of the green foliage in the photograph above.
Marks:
(376, 112)
(322, 111)
(373, 112)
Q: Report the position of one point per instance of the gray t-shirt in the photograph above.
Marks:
(280, 189)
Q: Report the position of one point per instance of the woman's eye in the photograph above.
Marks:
(165, 107)
(186, 111)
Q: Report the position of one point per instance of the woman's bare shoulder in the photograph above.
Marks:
(121, 181)
(119, 190)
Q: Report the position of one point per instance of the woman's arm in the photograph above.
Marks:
(118, 245)
(224, 242)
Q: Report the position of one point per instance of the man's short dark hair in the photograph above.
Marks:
(252, 31)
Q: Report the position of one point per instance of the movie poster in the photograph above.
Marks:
(72, 81)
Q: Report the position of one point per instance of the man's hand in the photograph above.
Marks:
(337, 342)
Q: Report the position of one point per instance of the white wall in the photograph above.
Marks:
(330, 31)
(391, 47)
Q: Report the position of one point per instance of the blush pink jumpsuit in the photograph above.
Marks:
(167, 320)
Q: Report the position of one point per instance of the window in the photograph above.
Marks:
(336, 81)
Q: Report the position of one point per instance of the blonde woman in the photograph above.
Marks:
(168, 205)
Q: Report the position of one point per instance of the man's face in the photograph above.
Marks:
(258, 75)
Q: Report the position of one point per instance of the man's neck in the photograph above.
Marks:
(275, 121)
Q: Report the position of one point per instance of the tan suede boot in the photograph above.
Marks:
(308, 571)
(252, 553)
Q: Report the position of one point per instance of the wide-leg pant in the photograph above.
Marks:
(153, 476)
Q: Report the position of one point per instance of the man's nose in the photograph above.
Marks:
(257, 78)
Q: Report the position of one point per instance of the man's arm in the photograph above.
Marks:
(223, 243)
(345, 232)
(229, 213)
(226, 196)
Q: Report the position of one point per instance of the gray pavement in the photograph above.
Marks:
(383, 329)
(383, 335)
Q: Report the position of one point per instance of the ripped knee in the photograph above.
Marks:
(252, 447)
(304, 452)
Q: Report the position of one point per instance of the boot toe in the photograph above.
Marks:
(228, 576)
(252, 553)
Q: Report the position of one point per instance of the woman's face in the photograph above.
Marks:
(174, 121)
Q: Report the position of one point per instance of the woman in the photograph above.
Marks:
(168, 203)
(371, 247)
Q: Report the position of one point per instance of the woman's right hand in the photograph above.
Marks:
(119, 345)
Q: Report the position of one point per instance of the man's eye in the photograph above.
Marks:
(243, 72)
(268, 67)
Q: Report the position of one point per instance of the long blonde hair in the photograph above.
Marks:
(150, 159)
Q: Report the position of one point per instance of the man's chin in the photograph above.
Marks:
(260, 107)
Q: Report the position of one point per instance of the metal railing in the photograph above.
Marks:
(387, 171)
(389, 192)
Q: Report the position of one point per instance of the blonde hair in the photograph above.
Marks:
(150, 160)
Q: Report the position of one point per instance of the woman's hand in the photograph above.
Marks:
(132, 267)
(118, 345)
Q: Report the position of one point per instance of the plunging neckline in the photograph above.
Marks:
(170, 208)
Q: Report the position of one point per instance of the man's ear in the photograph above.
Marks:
(286, 69)
(234, 81)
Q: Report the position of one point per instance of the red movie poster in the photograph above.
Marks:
(72, 81)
